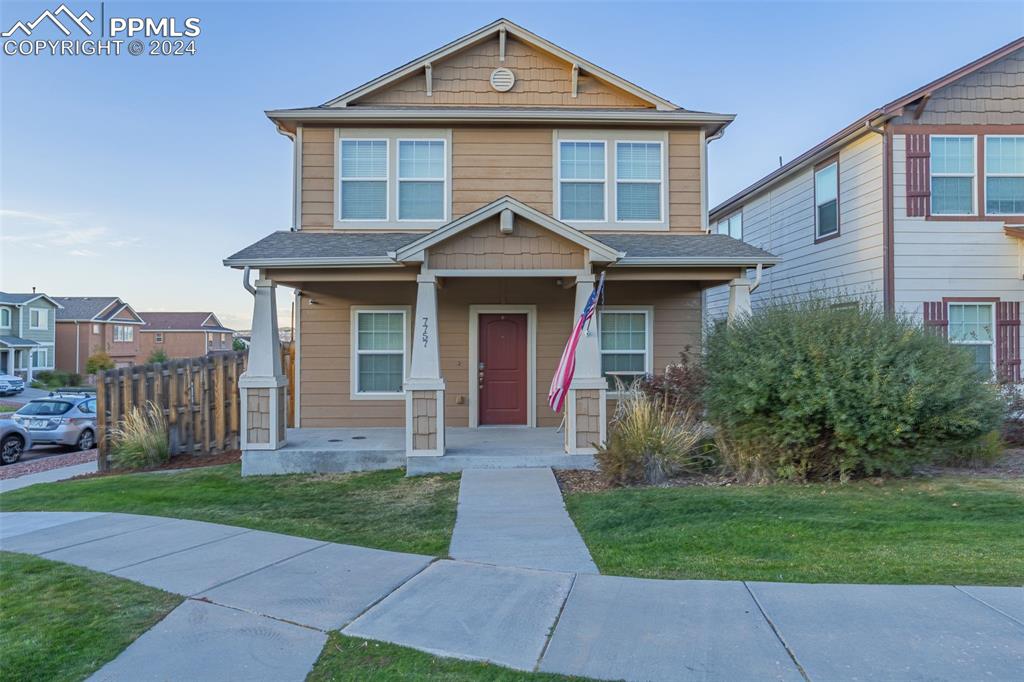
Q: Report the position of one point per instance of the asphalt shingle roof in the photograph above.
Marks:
(190, 321)
(83, 307)
(16, 341)
(683, 246)
(16, 299)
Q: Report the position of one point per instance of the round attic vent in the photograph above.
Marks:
(502, 79)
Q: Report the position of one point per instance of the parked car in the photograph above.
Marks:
(14, 440)
(61, 419)
(11, 385)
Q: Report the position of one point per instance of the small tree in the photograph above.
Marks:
(238, 344)
(98, 362)
(157, 356)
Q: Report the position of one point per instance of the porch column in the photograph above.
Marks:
(263, 384)
(424, 389)
(586, 401)
(739, 299)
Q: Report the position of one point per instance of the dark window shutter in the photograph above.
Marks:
(1008, 341)
(918, 182)
(936, 321)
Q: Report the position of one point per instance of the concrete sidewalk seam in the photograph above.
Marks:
(778, 634)
(986, 604)
(255, 570)
(251, 613)
(161, 556)
(397, 588)
(554, 625)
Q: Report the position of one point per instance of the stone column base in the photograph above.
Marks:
(424, 422)
(263, 420)
(586, 422)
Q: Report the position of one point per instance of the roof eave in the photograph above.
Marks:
(349, 262)
(702, 261)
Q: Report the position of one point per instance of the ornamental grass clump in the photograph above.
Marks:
(650, 440)
(140, 440)
(804, 390)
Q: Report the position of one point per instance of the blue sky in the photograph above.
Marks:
(135, 176)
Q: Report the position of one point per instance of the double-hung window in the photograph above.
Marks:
(638, 181)
(625, 346)
(952, 174)
(826, 200)
(379, 349)
(158, 337)
(40, 358)
(38, 318)
(972, 326)
(1004, 175)
(5, 318)
(421, 178)
(364, 179)
(124, 333)
(732, 226)
(95, 329)
(581, 180)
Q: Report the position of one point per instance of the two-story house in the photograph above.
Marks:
(451, 220)
(27, 334)
(918, 206)
(87, 325)
(182, 335)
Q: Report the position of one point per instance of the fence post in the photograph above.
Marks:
(220, 426)
(101, 422)
(235, 399)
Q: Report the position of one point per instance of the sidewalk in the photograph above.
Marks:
(48, 476)
(259, 605)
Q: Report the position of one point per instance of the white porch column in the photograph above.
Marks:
(739, 299)
(424, 389)
(263, 385)
(586, 402)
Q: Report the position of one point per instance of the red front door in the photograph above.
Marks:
(501, 375)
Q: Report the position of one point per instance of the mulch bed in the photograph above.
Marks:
(178, 462)
(39, 463)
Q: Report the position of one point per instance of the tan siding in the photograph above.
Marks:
(317, 178)
(488, 163)
(541, 80)
(684, 181)
(485, 247)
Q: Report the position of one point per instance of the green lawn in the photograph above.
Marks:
(948, 530)
(359, 660)
(61, 622)
(381, 509)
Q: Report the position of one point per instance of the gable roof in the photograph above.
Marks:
(92, 308)
(24, 299)
(864, 125)
(413, 251)
(176, 321)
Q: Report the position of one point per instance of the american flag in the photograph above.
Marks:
(567, 365)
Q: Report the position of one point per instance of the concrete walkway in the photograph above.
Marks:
(49, 476)
(259, 605)
(516, 517)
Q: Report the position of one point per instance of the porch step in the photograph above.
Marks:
(453, 462)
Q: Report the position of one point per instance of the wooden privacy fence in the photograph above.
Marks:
(199, 398)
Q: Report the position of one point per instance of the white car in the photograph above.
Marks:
(11, 385)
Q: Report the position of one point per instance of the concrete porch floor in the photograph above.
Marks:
(354, 449)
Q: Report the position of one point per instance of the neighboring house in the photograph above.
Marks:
(182, 335)
(451, 219)
(27, 336)
(87, 325)
(918, 206)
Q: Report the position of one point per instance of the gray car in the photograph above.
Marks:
(14, 440)
(61, 419)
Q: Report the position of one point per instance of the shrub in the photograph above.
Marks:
(238, 345)
(1013, 418)
(806, 391)
(649, 440)
(44, 377)
(157, 356)
(140, 440)
(682, 384)
(98, 362)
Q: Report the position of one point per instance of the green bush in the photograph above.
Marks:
(157, 356)
(802, 390)
(47, 379)
(98, 362)
(140, 440)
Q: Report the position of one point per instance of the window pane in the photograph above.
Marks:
(582, 201)
(420, 200)
(970, 323)
(982, 356)
(582, 160)
(736, 226)
(421, 159)
(638, 161)
(638, 201)
(826, 184)
(364, 199)
(380, 373)
(624, 368)
(952, 155)
(624, 331)
(1004, 195)
(828, 218)
(952, 196)
(1004, 155)
(364, 158)
(379, 331)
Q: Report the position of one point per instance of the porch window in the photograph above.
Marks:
(1004, 174)
(638, 180)
(625, 346)
(380, 351)
(826, 200)
(5, 318)
(364, 179)
(952, 174)
(972, 325)
(124, 333)
(581, 180)
(39, 358)
(421, 178)
(38, 319)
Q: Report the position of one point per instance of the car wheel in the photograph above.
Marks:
(11, 448)
(86, 441)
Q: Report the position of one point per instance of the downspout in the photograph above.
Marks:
(888, 276)
(296, 139)
(705, 140)
(757, 278)
(78, 346)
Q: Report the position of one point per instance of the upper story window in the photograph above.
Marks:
(638, 181)
(952, 174)
(158, 337)
(38, 318)
(1004, 174)
(124, 333)
(826, 199)
(421, 178)
(5, 318)
(732, 226)
(364, 180)
(95, 329)
(581, 181)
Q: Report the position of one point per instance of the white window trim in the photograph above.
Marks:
(589, 181)
(648, 312)
(991, 344)
(661, 184)
(10, 318)
(119, 333)
(50, 355)
(988, 175)
(44, 317)
(95, 328)
(387, 181)
(973, 175)
(158, 337)
(443, 179)
(354, 352)
(814, 180)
